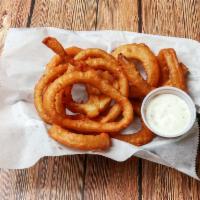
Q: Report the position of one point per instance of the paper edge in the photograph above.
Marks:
(109, 30)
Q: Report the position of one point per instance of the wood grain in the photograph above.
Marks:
(182, 19)
(76, 15)
(167, 183)
(118, 15)
(176, 18)
(73, 14)
(56, 178)
(18, 10)
(60, 178)
(108, 179)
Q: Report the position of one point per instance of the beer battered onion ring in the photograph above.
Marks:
(94, 53)
(57, 60)
(139, 138)
(40, 87)
(142, 53)
(96, 103)
(90, 126)
(143, 136)
(138, 86)
(79, 141)
(65, 137)
(173, 73)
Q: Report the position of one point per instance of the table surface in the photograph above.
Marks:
(95, 177)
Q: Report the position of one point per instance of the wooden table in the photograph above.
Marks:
(95, 177)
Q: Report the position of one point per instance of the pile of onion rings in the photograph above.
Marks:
(115, 89)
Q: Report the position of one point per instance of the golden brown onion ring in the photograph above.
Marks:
(168, 58)
(79, 141)
(143, 136)
(88, 77)
(138, 86)
(116, 71)
(94, 53)
(41, 86)
(95, 104)
(98, 103)
(142, 53)
(57, 60)
(139, 138)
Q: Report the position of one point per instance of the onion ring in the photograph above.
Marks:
(93, 108)
(42, 84)
(139, 138)
(138, 86)
(88, 77)
(99, 63)
(143, 136)
(80, 141)
(95, 104)
(57, 60)
(142, 53)
(176, 74)
(94, 53)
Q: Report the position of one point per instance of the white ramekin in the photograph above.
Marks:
(169, 90)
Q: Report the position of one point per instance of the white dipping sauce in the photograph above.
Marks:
(168, 115)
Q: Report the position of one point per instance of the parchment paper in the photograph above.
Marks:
(23, 135)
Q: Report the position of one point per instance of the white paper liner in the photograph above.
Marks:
(23, 135)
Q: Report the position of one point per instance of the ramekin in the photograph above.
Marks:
(169, 90)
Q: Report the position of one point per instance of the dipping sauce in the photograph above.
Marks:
(168, 114)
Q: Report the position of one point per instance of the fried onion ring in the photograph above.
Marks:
(92, 108)
(143, 136)
(139, 138)
(95, 104)
(94, 53)
(176, 72)
(57, 60)
(138, 86)
(40, 87)
(88, 77)
(79, 141)
(142, 53)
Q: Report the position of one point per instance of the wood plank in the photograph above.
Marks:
(18, 9)
(76, 15)
(73, 14)
(176, 18)
(159, 182)
(118, 15)
(107, 179)
(59, 177)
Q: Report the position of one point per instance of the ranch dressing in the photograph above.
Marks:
(168, 115)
